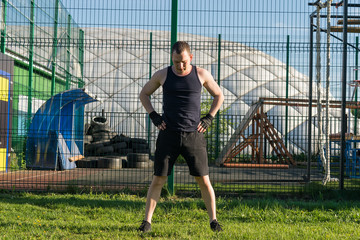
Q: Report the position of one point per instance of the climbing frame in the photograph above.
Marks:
(262, 130)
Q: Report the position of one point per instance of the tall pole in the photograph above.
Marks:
(31, 62)
(343, 96)
(174, 19)
(150, 75)
(3, 30)
(81, 82)
(68, 76)
(54, 52)
(217, 141)
(356, 78)
(287, 87)
(311, 56)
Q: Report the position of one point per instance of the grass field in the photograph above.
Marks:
(117, 216)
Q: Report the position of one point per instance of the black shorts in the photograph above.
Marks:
(191, 145)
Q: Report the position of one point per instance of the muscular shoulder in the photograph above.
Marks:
(160, 76)
(204, 75)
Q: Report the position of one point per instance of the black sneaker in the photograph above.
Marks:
(215, 226)
(145, 226)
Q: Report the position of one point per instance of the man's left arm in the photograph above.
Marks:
(213, 88)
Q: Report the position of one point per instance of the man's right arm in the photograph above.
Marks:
(149, 88)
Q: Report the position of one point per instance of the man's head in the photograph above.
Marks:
(180, 46)
(181, 57)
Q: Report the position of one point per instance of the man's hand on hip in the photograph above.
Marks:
(157, 120)
(205, 123)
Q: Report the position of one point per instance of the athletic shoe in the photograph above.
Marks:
(215, 226)
(145, 226)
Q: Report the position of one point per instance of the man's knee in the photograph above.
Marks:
(159, 181)
(203, 180)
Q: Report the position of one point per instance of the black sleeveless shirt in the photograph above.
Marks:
(181, 101)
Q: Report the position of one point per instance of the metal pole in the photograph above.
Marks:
(79, 113)
(343, 97)
(174, 19)
(287, 87)
(150, 75)
(3, 30)
(68, 77)
(356, 78)
(310, 96)
(217, 138)
(31, 63)
(81, 58)
(53, 63)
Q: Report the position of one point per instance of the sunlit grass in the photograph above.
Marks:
(117, 216)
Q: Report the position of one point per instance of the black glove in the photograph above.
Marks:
(155, 118)
(206, 121)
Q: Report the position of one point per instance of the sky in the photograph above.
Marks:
(233, 19)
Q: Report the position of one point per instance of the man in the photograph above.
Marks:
(181, 129)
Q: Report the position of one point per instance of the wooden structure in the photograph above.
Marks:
(262, 130)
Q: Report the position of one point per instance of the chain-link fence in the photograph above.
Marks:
(72, 72)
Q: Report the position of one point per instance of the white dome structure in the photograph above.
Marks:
(116, 69)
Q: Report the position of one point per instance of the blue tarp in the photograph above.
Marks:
(56, 131)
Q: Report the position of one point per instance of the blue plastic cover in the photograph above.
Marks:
(57, 130)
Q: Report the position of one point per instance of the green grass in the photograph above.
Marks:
(117, 216)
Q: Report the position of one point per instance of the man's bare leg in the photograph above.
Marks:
(208, 195)
(153, 196)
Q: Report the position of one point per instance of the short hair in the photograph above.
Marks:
(180, 46)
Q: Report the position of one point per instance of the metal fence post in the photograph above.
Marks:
(55, 40)
(31, 63)
(68, 77)
(311, 56)
(343, 97)
(150, 74)
(3, 27)
(287, 88)
(356, 78)
(217, 137)
(174, 16)
(81, 58)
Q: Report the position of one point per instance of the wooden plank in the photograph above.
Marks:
(276, 142)
(262, 131)
(256, 165)
(349, 29)
(241, 146)
(239, 130)
(254, 130)
(264, 99)
(350, 21)
(76, 158)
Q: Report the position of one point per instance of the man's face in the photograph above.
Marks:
(182, 62)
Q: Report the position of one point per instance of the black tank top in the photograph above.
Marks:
(181, 101)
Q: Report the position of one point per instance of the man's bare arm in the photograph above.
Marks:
(149, 88)
(215, 91)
